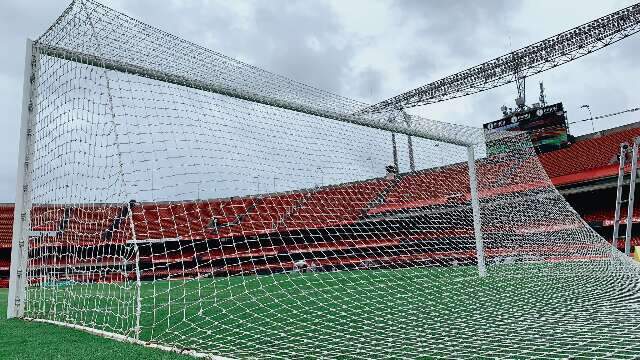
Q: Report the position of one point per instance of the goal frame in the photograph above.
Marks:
(21, 214)
(446, 133)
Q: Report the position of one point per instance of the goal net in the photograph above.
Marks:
(179, 198)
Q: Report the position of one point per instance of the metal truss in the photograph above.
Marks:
(533, 59)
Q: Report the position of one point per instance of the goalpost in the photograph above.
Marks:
(19, 245)
(444, 132)
(170, 196)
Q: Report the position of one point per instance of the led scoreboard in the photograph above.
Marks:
(546, 126)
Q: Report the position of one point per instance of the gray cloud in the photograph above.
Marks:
(459, 24)
(297, 39)
(306, 47)
(406, 44)
(452, 33)
(19, 20)
(369, 84)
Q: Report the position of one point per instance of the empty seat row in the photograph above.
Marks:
(587, 154)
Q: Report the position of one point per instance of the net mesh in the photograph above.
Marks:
(183, 198)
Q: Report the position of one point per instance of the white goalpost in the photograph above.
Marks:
(443, 132)
(19, 246)
(173, 197)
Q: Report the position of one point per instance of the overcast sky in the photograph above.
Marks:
(369, 50)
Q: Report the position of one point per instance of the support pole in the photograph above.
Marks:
(475, 205)
(22, 211)
(395, 152)
(632, 190)
(136, 251)
(407, 120)
(412, 164)
(616, 221)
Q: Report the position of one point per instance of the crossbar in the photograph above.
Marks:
(448, 133)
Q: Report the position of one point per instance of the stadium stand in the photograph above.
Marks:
(6, 231)
(604, 217)
(249, 234)
(335, 205)
(586, 174)
(6, 225)
(590, 158)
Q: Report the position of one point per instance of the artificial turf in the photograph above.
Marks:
(552, 311)
(24, 340)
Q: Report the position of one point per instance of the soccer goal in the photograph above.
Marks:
(173, 197)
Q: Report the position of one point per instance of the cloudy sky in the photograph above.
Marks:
(368, 50)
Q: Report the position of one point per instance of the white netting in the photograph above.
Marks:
(191, 213)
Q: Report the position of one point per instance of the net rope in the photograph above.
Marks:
(201, 203)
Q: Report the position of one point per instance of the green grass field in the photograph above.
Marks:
(23, 340)
(551, 311)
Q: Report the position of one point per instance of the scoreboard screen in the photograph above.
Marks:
(546, 126)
